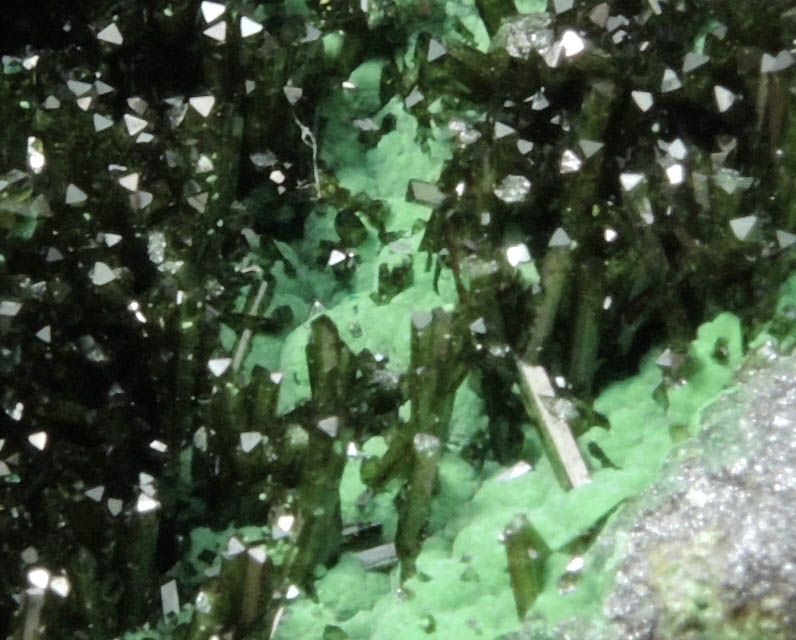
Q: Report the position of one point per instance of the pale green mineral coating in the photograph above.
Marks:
(451, 532)
(462, 569)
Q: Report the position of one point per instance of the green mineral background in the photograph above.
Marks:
(263, 292)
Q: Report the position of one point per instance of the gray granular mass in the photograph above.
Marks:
(529, 33)
(709, 551)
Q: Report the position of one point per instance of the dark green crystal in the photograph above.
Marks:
(242, 273)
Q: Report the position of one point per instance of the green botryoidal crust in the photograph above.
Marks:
(299, 311)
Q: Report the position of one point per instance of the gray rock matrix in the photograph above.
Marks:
(709, 551)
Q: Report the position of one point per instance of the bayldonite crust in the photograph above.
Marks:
(267, 269)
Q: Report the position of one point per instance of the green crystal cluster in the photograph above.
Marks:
(266, 270)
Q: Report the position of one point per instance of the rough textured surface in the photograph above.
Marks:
(250, 252)
(708, 552)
